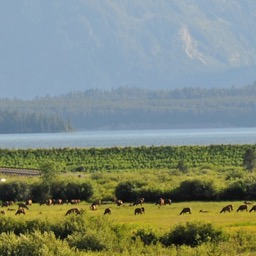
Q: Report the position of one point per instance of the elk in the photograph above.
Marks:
(107, 211)
(243, 207)
(227, 208)
(139, 210)
(186, 210)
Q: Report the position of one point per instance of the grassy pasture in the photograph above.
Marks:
(159, 219)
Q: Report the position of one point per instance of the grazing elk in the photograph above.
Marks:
(73, 210)
(253, 208)
(7, 203)
(107, 211)
(29, 202)
(57, 201)
(97, 202)
(203, 211)
(22, 205)
(47, 202)
(186, 210)
(20, 211)
(162, 201)
(93, 207)
(119, 202)
(75, 201)
(243, 207)
(227, 208)
(139, 210)
(246, 202)
(138, 201)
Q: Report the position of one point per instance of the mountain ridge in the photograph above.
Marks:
(52, 47)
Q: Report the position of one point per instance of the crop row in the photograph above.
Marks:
(126, 158)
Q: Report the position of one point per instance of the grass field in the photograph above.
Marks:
(160, 219)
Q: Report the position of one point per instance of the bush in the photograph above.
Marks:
(148, 237)
(195, 190)
(14, 191)
(125, 191)
(24, 245)
(236, 191)
(193, 234)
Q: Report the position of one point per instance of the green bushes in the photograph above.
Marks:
(195, 190)
(39, 192)
(35, 243)
(84, 235)
(193, 234)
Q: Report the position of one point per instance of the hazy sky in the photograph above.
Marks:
(53, 47)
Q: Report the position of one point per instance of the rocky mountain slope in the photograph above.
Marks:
(54, 47)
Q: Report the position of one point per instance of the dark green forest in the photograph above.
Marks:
(132, 108)
(35, 122)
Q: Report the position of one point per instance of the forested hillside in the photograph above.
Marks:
(132, 108)
(31, 122)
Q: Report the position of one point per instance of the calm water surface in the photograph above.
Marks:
(123, 138)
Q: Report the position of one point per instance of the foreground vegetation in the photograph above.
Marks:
(159, 230)
(202, 178)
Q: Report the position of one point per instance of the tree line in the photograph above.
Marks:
(17, 121)
(127, 107)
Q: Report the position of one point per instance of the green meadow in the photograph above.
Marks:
(201, 178)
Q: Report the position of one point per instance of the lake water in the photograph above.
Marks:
(87, 139)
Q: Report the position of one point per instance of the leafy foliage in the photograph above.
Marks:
(193, 234)
(249, 160)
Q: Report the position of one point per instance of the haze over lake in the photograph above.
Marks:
(123, 138)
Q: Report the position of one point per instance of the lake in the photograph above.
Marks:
(122, 138)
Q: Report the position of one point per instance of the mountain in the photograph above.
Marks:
(55, 47)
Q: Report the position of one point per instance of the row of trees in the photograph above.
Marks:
(143, 108)
(18, 121)
(188, 190)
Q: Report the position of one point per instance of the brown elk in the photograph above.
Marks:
(186, 210)
(75, 201)
(253, 208)
(107, 211)
(20, 211)
(246, 202)
(139, 210)
(227, 208)
(22, 205)
(57, 201)
(243, 207)
(93, 207)
(29, 202)
(162, 201)
(138, 201)
(7, 203)
(203, 211)
(73, 210)
(119, 202)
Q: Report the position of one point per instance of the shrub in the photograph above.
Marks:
(193, 190)
(24, 245)
(236, 191)
(14, 191)
(193, 234)
(148, 237)
(125, 191)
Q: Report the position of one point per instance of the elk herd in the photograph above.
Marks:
(22, 207)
